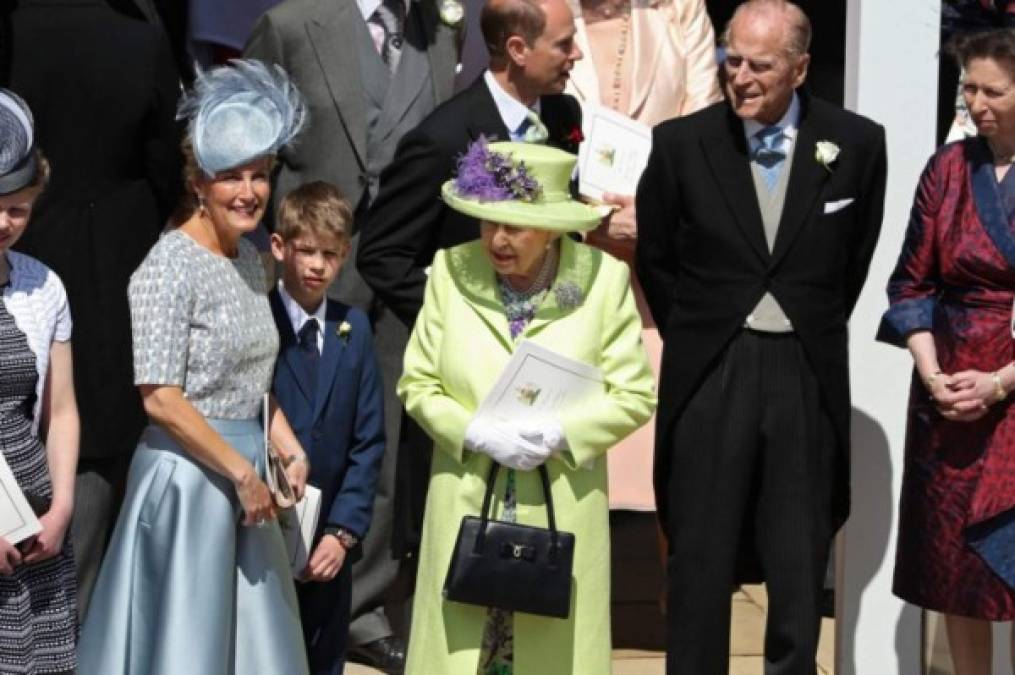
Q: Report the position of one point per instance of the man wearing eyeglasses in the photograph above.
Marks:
(757, 220)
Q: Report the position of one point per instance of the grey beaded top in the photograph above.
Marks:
(202, 322)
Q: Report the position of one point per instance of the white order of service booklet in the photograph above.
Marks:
(539, 380)
(299, 521)
(613, 155)
(17, 520)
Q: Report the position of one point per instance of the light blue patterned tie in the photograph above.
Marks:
(532, 129)
(769, 154)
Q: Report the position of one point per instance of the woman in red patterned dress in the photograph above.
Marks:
(951, 306)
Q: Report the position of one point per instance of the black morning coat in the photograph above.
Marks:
(704, 263)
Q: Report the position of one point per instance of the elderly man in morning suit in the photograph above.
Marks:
(370, 70)
(758, 217)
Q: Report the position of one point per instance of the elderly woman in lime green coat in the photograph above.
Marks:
(462, 340)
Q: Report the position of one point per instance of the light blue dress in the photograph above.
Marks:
(185, 589)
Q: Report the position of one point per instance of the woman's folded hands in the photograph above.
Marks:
(522, 446)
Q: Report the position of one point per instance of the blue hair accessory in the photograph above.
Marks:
(240, 112)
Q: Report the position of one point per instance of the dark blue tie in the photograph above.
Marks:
(309, 352)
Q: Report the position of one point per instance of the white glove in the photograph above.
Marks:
(502, 442)
(543, 430)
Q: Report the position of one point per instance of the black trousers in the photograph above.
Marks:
(752, 468)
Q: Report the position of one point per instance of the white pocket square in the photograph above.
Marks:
(838, 205)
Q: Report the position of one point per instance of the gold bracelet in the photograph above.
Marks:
(931, 379)
(999, 391)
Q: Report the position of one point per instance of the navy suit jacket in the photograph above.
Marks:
(341, 425)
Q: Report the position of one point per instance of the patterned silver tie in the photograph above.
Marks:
(390, 16)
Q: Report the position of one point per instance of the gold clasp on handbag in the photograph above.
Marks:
(516, 550)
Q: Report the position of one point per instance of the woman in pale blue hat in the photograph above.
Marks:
(38, 421)
(523, 280)
(196, 579)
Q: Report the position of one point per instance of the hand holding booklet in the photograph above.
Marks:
(538, 380)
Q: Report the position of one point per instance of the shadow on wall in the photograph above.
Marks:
(871, 516)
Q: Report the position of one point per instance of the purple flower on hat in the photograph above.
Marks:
(489, 176)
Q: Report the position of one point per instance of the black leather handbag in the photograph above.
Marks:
(514, 567)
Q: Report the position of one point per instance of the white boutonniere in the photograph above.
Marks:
(343, 331)
(451, 11)
(826, 153)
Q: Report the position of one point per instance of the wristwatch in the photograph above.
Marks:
(347, 539)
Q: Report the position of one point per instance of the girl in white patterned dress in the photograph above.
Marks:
(38, 421)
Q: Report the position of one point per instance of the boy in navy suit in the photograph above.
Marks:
(327, 382)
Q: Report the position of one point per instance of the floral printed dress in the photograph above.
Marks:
(495, 657)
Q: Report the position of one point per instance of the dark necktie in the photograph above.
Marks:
(390, 16)
(309, 352)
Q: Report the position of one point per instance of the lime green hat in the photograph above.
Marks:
(521, 184)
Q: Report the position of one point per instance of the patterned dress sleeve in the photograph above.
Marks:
(160, 309)
(913, 286)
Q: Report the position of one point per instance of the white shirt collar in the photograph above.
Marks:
(368, 7)
(789, 123)
(299, 316)
(512, 111)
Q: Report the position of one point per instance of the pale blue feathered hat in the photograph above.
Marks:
(239, 112)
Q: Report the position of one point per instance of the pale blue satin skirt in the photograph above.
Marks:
(185, 589)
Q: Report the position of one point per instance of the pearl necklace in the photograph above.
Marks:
(618, 66)
(542, 278)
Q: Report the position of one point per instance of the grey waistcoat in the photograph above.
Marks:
(767, 315)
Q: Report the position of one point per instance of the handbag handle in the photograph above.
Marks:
(488, 498)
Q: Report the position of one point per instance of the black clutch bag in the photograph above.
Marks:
(513, 567)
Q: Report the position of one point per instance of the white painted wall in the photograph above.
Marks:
(891, 77)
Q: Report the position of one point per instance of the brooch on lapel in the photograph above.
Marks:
(826, 153)
(568, 294)
(343, 330)
(451, 12)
